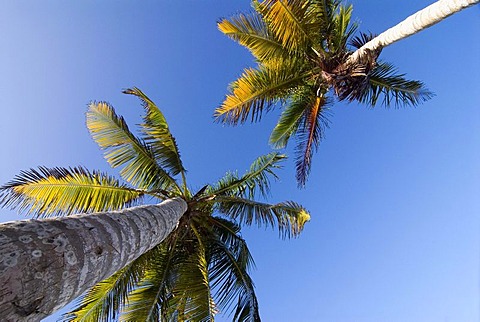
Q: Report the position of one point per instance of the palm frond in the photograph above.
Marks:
(251, 32)
(143, 303)
(342, 30)
(158, 136)
(255, 180)
(288, 217)
(291, 117)
(63, 191)
(259, 89)
(227, 231)
(124, 149)
(385, 81)
(192, 298)
(229, 265)
(361, 39)
(104, 300)
(291, 22)
(309, 135)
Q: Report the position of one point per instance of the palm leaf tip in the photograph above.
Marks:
(293, 217)
(302, 218)
(386, 81)
(157, 135)
(288, 217)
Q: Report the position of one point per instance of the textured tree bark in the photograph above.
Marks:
(45, 264)
(423, 19)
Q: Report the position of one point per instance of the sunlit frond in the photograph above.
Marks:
(255, 181)
(144, 303)
(309, 135)
(387, 84)
(259, 89)
(288, 217)
(158, 136)
(124, 149)
(251, 32)
(64, 191)
(292, 22)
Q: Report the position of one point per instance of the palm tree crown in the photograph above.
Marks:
(203, 266)
(301, 48)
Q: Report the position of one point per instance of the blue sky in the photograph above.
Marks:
(394, 193)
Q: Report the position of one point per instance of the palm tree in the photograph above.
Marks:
(183, 259)
(415, 23)
(302, 48)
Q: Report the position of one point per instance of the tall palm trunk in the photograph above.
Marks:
(423, 19)
(44, 264)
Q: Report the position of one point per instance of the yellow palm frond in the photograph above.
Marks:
(290, 21)
(251, 32)
(61, 191)
(258, 89)
(124, 149)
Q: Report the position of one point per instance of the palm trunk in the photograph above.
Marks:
(45, 264)
(423, 19)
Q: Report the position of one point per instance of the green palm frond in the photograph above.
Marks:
(255, 181)
(192, 296)
(385, 82)
(143, 303)
(104, 300)
(342, 30)
(309, 134)
(259, 89)
(291, 117)
(288, 217)
(124, 149)
(63, 191)
(158, 136)
(225, 230)
(251, 32)
(176, 288)
(230, 262)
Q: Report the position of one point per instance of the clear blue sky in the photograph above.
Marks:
(394, 194)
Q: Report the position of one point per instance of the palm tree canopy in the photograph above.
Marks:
(302, 48)
(203, 266)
